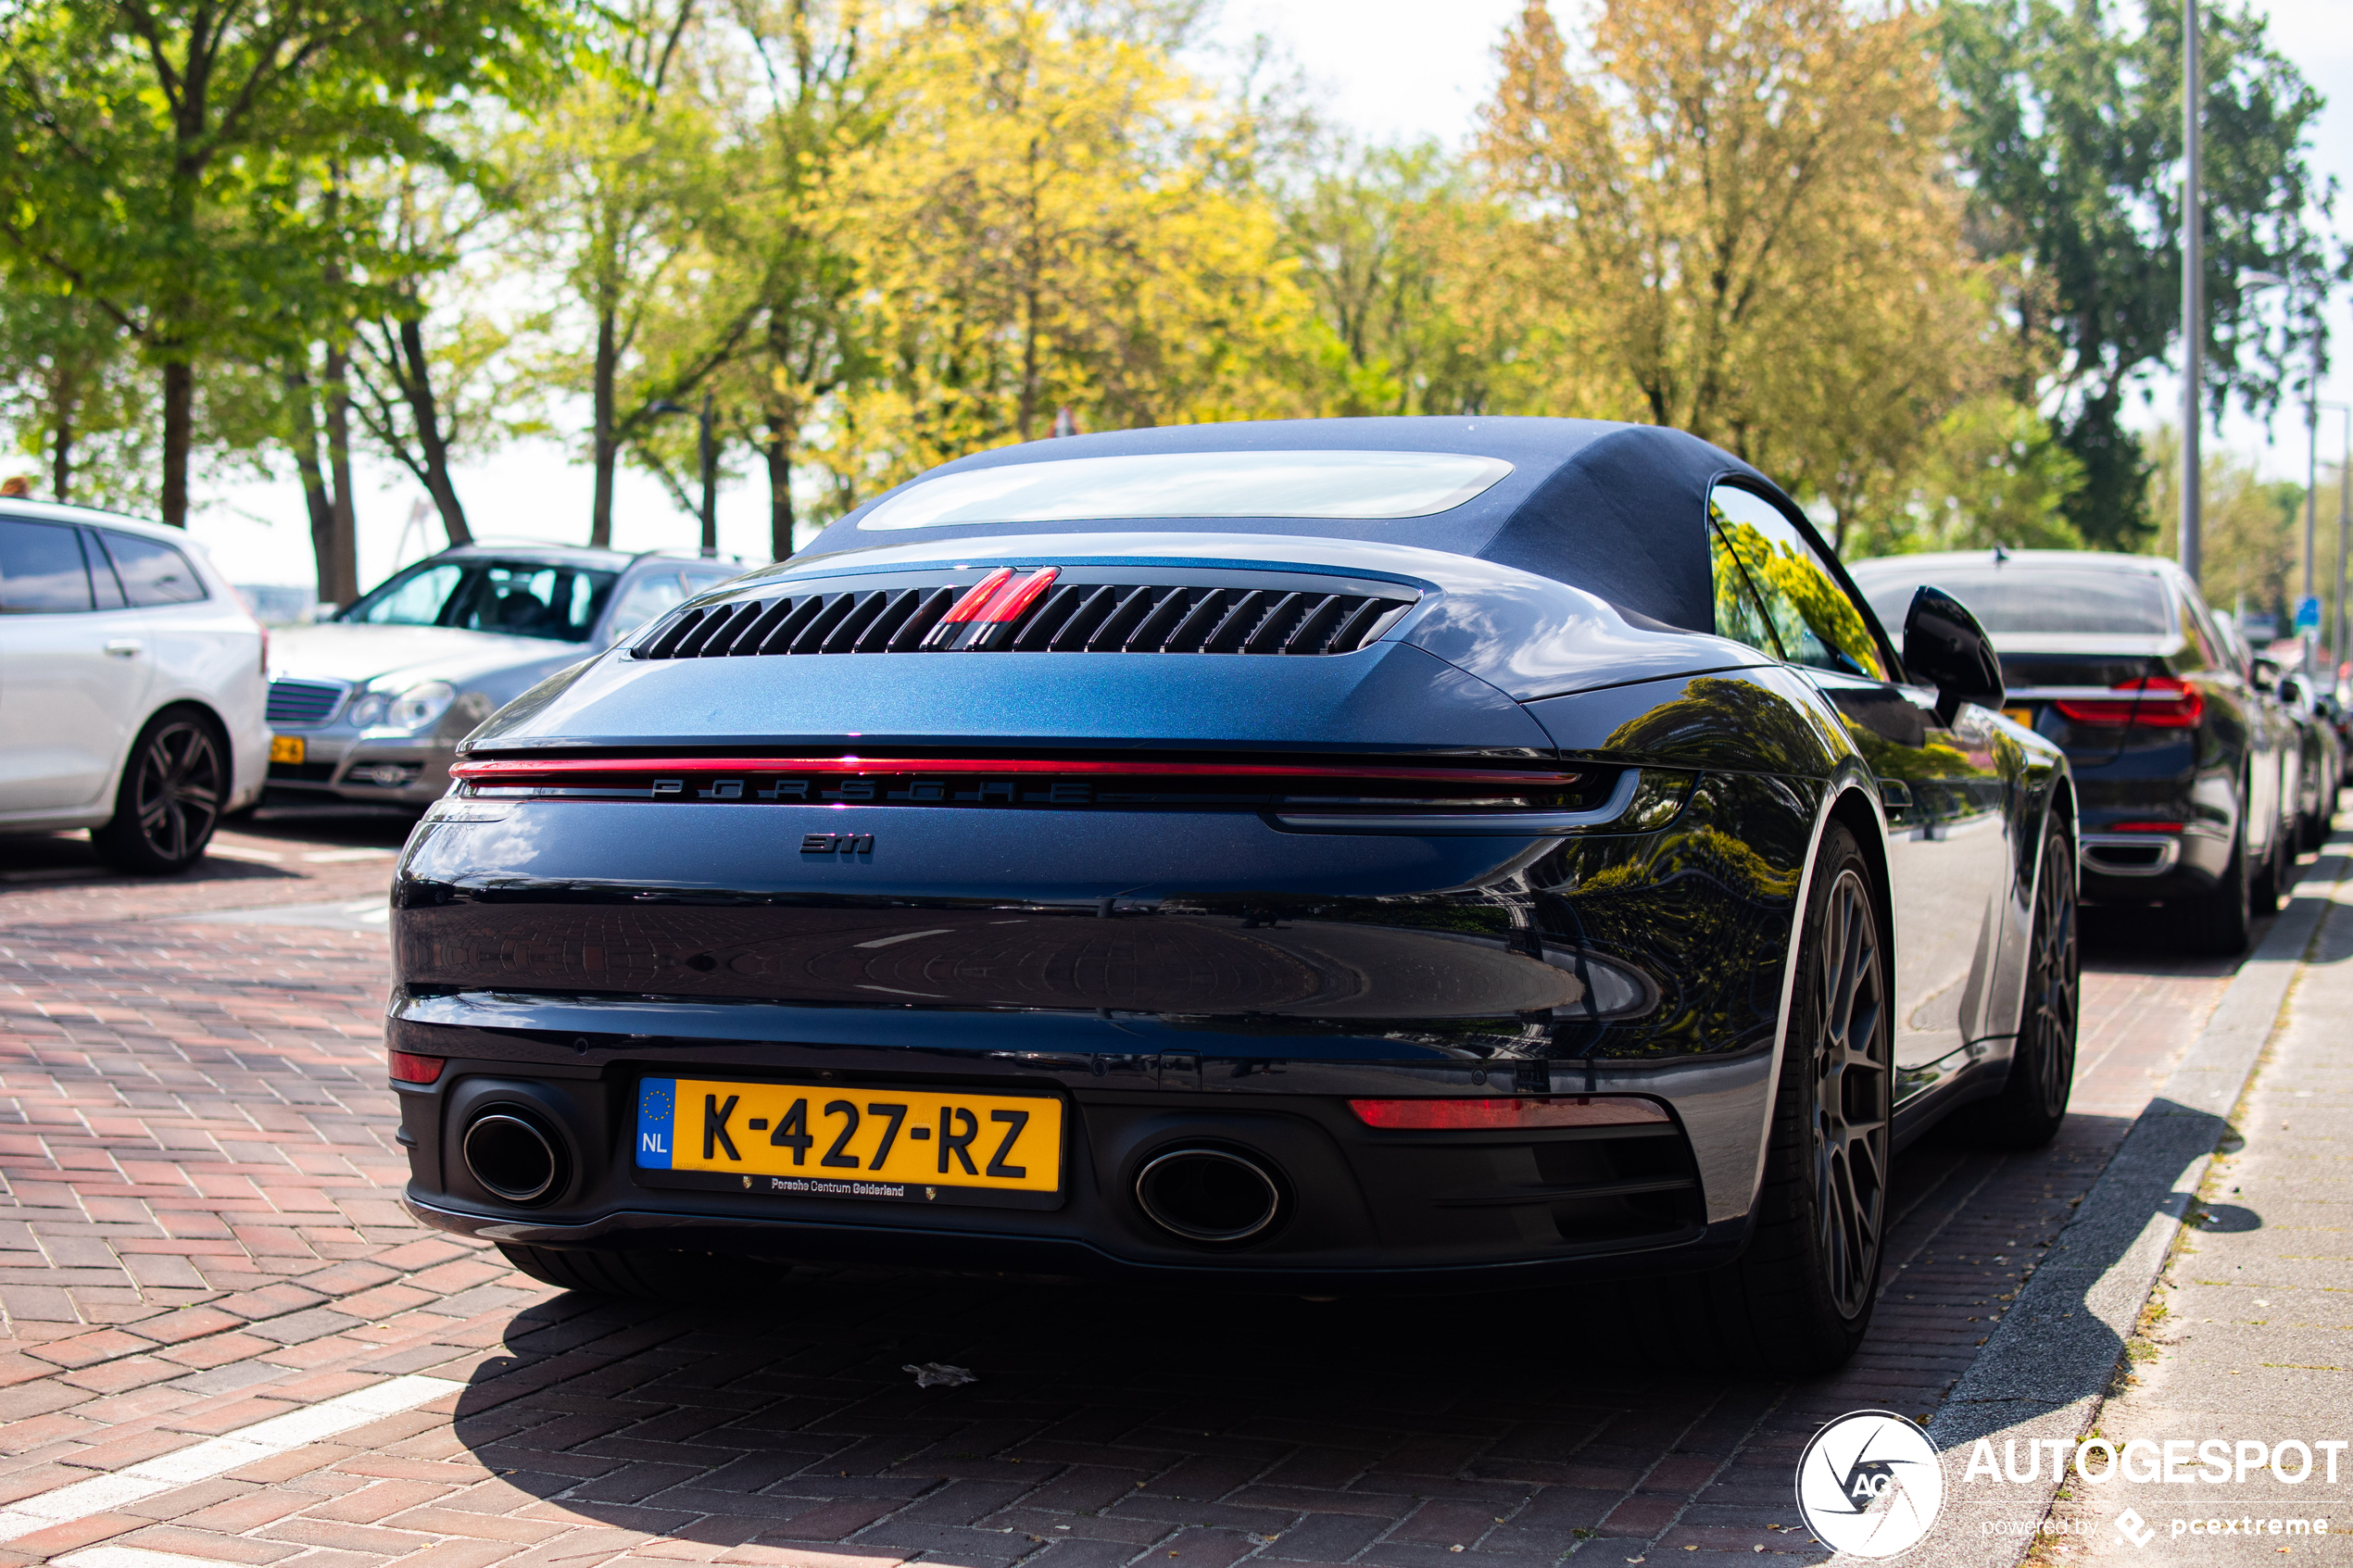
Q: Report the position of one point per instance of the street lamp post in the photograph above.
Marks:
(2193, 317)
(2343, 527)
(2311, 487)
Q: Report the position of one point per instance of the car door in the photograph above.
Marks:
(74, 666)
(1940, 784)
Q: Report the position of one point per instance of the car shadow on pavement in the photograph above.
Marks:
(1104, 1414)
(247, 847)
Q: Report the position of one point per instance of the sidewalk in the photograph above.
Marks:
(2249, 1336)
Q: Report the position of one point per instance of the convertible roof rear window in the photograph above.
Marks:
(2016, 601)
(1365, 485)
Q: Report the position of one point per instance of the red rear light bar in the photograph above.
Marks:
(556, 770)
(2162, 702)
(1543, 1110)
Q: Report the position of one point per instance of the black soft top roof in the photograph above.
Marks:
(1617, 509)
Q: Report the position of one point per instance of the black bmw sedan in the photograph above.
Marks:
(1321, 857)
(2188, 772)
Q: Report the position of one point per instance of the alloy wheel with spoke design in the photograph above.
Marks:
(174, 793)
(1849, 1087)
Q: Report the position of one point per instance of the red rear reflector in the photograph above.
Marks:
(1014, 598)
(2142, 827)
(410, 1068)
(2165, 702)
(1552, 1111)
(979, 594)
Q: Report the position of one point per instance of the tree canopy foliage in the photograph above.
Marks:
(1908, 261)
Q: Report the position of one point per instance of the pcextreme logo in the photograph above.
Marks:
(1869, 1485)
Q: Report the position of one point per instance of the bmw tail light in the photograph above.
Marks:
(1492, 1115)
(410, 1068)
(2163, 702)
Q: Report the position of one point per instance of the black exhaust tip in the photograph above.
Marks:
(513, 1157)
(1209, 1195)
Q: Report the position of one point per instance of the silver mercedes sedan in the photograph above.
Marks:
(369, 705)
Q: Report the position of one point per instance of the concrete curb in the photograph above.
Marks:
(2047, 1365)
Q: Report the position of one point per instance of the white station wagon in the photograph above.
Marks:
(132, 685)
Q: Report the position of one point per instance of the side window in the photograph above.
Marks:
(1816, 622)
(1738, 615)
(152, 572)
(41, 570)
(655, 592)
(103, 582)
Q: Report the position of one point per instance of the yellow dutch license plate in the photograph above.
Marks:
(288, 748)
(2020, 715)
(826, 1141)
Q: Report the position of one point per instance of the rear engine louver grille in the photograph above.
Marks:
(1074, 617)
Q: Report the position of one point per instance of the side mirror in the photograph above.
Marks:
(1946, 647)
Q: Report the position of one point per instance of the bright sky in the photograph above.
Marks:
(1390, 68)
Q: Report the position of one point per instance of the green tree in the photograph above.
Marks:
(155, 157)
(616, 179)
(71, 394)
(2070, 132)
(1738, 216)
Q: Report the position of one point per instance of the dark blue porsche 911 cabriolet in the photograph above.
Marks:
(1325, 856)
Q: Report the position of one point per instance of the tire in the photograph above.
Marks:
(175, 784)
(709, 1278)
(2263, 886)
(1799, 1299)
(2033, 1104)
(2222, 921)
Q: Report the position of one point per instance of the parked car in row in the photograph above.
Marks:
(1321, 856)
(2191, 776)
(369, 705)
(2321, 768)
(131, 685)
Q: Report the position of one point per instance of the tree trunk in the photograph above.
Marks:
(343, 508)
(606, 446)
(64, 402)
(779, 454)
(433, 443)
(328, 573)
(179, 431)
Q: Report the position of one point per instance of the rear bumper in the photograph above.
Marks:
(1367, 1209)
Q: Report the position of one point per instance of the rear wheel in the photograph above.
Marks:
(1800, 1299)
(710, 1278)
(2028, 1111)
(174, 788)
(2221, 921)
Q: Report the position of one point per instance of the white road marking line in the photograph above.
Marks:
(239, 852)
(331, 857)
(130, 1557)
(215, 1456)
(902, 937)
(895, 991)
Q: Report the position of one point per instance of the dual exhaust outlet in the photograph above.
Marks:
(1205, 1195)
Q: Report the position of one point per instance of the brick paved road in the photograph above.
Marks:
(198, 1231)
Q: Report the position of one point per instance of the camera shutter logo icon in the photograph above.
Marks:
(1869, 1485)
